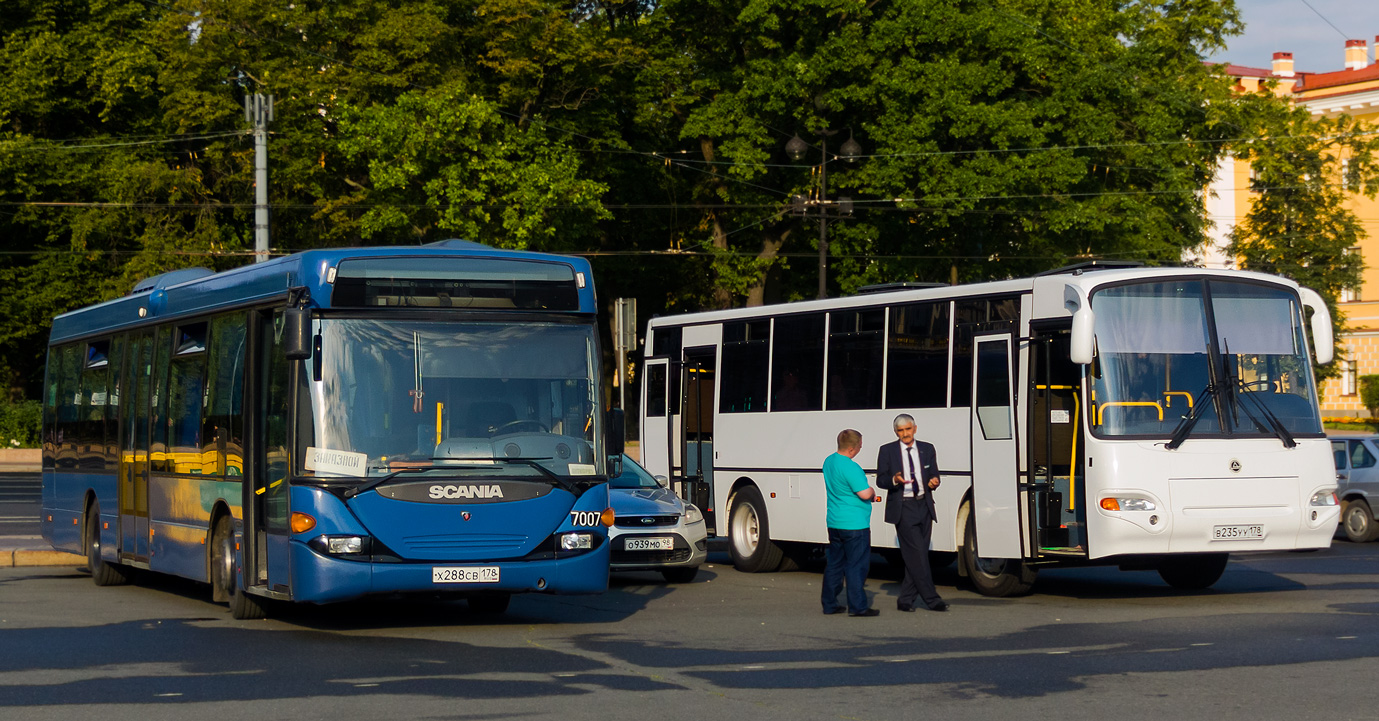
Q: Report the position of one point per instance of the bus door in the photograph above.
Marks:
(697, 411)
(655, 440)
(266, 502)
(1057, 499)
(995, 474)
(134, 411)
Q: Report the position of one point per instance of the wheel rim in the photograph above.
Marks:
(93, 542)
(747, 530)
(1357, 520)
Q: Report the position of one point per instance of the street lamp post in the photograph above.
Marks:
(797, 148)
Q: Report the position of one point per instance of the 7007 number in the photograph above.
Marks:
(585, 518)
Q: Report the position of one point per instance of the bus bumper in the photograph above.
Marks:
(321, 579)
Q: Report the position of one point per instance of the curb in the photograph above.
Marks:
(23, 557)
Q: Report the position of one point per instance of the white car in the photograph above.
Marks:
(653, 530)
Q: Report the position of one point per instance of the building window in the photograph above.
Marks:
(1349, 295)
(1348, 378)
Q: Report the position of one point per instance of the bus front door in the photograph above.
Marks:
(995, 475)
(698, 408)
(655, 436)
(133, 490)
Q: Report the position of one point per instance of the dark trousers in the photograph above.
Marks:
(913, 534)
(849, 555)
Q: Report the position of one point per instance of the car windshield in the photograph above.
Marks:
(497, 399)
(633, 476)
(1155, 352)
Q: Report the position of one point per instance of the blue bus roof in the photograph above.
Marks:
(196, 291)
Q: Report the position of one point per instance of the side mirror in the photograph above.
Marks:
(297, 333)
(615, 466)
(1083, 340)
(665, 482)
(614, 432)
(1323, 345)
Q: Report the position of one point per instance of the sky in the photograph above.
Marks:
(1292, 26)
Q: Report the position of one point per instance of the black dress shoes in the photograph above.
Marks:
(839, 609)
(866, 614)
(906, 607)
(940, 606)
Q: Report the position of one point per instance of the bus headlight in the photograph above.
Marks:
(340, 545)
(1128, 504)
(576, 541)
(692, 514)
(1324, 498)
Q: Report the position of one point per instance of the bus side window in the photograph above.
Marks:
(222, 429)
(158, 443)
(68, 407)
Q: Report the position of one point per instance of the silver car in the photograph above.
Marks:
(1357, 473)
(653, 530)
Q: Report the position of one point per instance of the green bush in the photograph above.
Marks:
(20, 423)
(1369, 394)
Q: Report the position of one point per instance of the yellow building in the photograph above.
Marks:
(1352, 91)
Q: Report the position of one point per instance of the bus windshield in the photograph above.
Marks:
(1158, 363)
(495, 398)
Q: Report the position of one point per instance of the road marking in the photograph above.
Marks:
(1201, 644)
(165, 695)
(1346, 637)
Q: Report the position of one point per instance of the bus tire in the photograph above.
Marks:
(103, 573)
(490, 603)
(1193, 572)
(749, 533)
(995, 577)
(225, 586)
(1357, 520)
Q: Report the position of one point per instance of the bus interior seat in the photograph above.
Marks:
(481, 418)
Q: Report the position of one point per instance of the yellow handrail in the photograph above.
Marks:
(1072, 460)
(1101, 410)
(1168, 398)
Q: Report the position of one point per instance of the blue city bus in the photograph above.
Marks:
(336, 424)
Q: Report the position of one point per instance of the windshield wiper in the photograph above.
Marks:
(560, 480)
(1242, 390)
(1185, 426)
(353, 491)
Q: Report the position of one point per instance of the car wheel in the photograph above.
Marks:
(102, 572)
(1357, 520)
(683, 574)
(749, 533)
(1194, 572)
(996, 577)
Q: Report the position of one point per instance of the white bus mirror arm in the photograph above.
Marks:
(1082, 342)
(1323, 346)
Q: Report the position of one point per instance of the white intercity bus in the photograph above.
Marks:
(1150, 418)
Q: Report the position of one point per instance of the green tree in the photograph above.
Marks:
(1298, 225)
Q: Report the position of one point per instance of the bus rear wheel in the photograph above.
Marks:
(1357, 520)
(1195, 572)
(225, 586)
(995, 577)
(103, 573)
(749, 533)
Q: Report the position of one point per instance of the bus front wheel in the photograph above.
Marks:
(996, 577)
(103, 573)
(224, 581)
(749, 534)
(1194, 572)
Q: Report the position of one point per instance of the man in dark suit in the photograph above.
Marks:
(908, 470)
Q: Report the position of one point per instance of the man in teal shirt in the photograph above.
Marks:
(849, 528)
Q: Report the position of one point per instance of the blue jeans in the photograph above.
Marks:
(849, 555)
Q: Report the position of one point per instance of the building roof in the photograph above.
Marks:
(1243, 71)
(1317, 81)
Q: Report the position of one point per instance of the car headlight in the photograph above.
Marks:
(1323, 498)
(692, 514)
(1127, 504)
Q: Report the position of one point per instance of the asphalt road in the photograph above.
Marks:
(1281, 636)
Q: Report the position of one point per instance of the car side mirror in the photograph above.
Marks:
(665, 482)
